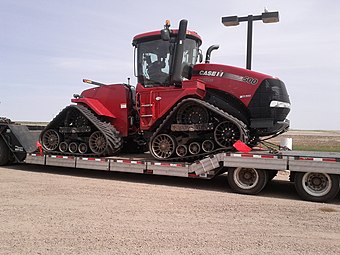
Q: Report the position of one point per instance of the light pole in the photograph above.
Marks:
(266, 17)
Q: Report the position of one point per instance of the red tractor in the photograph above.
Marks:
(178, 110)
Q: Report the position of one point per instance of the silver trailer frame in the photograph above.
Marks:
(316, 175)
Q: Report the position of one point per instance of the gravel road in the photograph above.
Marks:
(46, 210)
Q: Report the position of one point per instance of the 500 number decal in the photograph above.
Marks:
(250, 80)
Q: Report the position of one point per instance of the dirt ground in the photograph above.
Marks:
(48, 210)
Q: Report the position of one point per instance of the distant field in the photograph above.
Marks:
(312, 140)
(31, 123)
(307, 140)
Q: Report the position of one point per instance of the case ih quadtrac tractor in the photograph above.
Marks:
(179, 110)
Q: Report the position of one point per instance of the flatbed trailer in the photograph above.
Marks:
(316, 175)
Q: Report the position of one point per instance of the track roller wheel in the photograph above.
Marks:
(50, 140)
(317, 187)
(181, 150)
(208, 146)
(163, 146)
(97, 142)
(226, 134)
(194, 148)
(82, 148)
(73, 147)
(63, 146)
(247, 180)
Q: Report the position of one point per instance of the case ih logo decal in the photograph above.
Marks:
(246, 79)
(211, 73)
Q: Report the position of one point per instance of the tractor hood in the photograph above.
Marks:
(239, 82)
(228, 74)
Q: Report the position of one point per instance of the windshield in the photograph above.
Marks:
(154, 60)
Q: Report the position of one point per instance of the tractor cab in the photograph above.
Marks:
(166, 57)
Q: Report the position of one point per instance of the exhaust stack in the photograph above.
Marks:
(178, 56)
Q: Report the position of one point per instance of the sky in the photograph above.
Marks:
(48, 47)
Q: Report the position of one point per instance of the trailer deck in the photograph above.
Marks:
(297, 161)
(316, 175)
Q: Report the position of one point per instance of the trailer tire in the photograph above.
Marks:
(4, 153)
(248, 181)
(316, 187)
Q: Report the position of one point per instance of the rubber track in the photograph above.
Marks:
(242, 127)
(112, 136)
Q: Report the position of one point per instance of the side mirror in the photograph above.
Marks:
(165, 34)
(200, 56)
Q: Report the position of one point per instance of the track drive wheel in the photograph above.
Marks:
(317, 187)
(163, 146)
(192, 113)
(76, 119)
(247, 180)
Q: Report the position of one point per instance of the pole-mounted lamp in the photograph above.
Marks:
(266, 17)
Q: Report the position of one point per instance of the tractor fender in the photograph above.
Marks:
(96, 106)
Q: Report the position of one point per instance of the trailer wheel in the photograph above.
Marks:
(247, 180)
(4, 153)
(316, 187)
